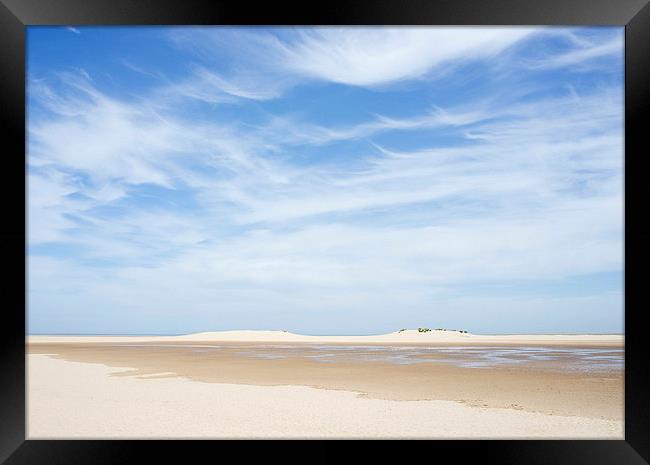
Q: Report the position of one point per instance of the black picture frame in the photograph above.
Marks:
(15, 15)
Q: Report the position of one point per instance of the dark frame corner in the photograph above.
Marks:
(15, 15)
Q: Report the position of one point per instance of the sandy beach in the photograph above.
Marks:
(441, 384)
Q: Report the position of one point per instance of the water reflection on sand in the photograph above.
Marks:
(565, 358)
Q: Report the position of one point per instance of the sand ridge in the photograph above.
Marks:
(397, 337)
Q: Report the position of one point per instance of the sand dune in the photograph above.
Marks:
(398, 337)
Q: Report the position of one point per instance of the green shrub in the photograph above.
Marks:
(423, 330)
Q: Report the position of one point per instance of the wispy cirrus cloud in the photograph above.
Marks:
(290, 131)
(376, 56)
(583, 55)
(539, 151)
(211, 87)
(358, 56)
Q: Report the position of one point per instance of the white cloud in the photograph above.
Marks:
(133, 141)
(269, 63)
(380, 55)
(358, 56)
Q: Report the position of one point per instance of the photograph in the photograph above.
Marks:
(324, 232)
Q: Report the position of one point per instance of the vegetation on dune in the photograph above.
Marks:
(426, 330)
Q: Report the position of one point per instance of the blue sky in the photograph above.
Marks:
(324, 180)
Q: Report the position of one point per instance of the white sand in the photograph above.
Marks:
(81, 400)
(408, 337)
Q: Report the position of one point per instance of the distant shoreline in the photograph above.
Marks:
(315, 335)
(398, 337)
